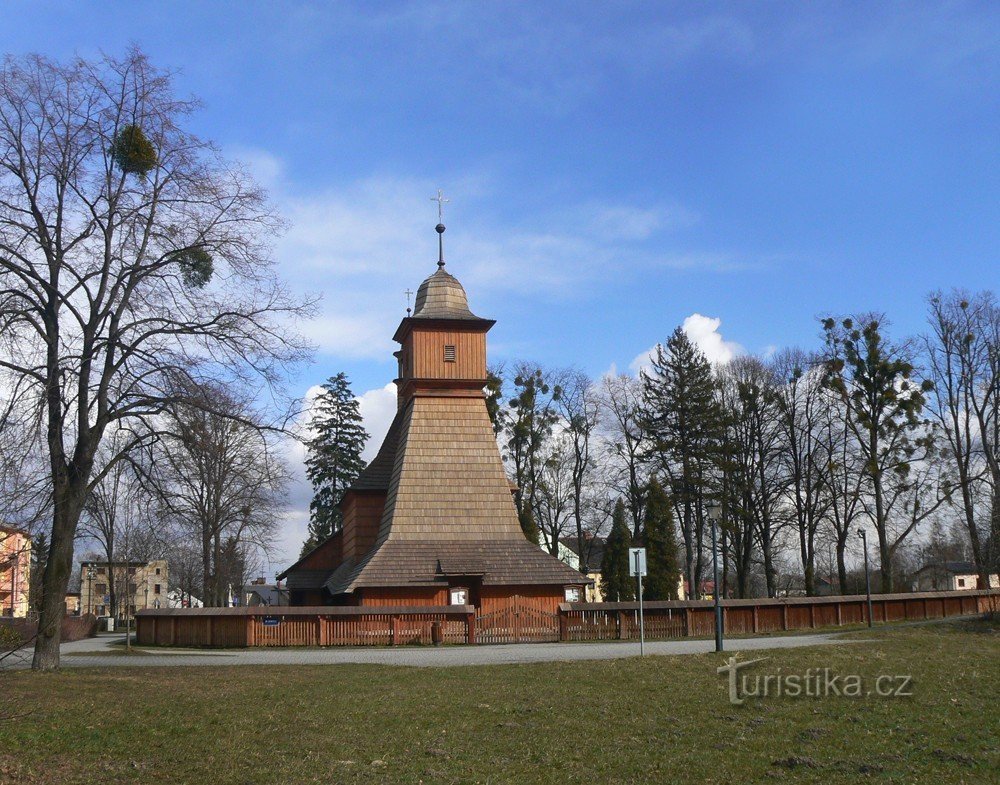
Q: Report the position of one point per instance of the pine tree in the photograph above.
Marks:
(661, 546)
(334, 456)
(616, 583)
(683, 416)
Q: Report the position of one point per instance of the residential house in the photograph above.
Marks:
(136, 585)
(259, 593)
(15, 571)
(950, 576)
(592, 555)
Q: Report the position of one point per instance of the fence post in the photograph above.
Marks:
(755, 620)
(784, 617)
(394, 635)
(687, 622)
(173, 630)
(208, 632)
(618, 625)
(840, 620)
(470, 627)
(563, 625)
(812, 616)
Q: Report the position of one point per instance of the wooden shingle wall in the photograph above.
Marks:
(448, 481)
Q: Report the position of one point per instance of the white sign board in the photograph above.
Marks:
(637, 562)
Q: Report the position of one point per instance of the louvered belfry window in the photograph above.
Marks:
(449, 353)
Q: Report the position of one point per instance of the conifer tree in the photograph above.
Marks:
(334, 456)
(683, 416)
(616, 583)
(661, 546)
(528, 525)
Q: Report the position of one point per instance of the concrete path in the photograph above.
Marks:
(106, 651)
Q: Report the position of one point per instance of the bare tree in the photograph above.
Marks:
(626, 441)
(755, 449)
(222, 480)
(118, 518)
(961, 352)
(800, 404)
(580, 409)
(133, 259)
(845, 479)
(555, 495)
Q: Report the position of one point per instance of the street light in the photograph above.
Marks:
(91, 572)
(868, 580)
(714, 512)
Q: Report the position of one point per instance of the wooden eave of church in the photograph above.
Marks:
(474, 324)
(309, 569)
(434, 563)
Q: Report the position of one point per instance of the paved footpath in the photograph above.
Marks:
(104, 652)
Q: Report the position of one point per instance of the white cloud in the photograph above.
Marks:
(704, 333)
(378, 407)
(362, 245)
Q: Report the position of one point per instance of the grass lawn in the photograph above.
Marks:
(662, 719)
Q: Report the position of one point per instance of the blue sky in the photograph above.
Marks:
(614, 168)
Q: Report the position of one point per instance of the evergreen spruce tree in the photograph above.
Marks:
(685, 419)
(528, 525)
(661, 546)
(616, 583)
(334, 456)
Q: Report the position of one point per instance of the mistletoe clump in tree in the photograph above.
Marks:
(334, 456)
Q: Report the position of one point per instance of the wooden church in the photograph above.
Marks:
(431, 521)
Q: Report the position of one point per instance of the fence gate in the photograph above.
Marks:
(517, 622)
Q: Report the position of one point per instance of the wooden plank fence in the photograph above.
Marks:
(395, 626)
(305, 626)
(598, 621)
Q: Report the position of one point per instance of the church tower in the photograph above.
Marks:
(431, 521)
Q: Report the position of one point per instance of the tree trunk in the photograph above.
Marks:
(55, 579)
(842, 562)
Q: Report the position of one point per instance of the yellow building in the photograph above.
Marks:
(136, 585)
(15, 571)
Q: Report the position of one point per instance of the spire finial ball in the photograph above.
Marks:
(439, 228)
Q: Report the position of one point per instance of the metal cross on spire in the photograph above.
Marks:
(440, 199)
(408, 294)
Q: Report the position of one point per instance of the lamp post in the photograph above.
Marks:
(90, 589)
(714, 511)
(868, 581)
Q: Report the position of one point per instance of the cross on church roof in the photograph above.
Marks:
(440, 199)
(408, 294)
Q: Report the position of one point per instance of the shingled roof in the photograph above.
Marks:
(430, 563)
(378, 473)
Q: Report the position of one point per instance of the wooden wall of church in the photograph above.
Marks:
(426, 355)
(393, 596)
(362, 516)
